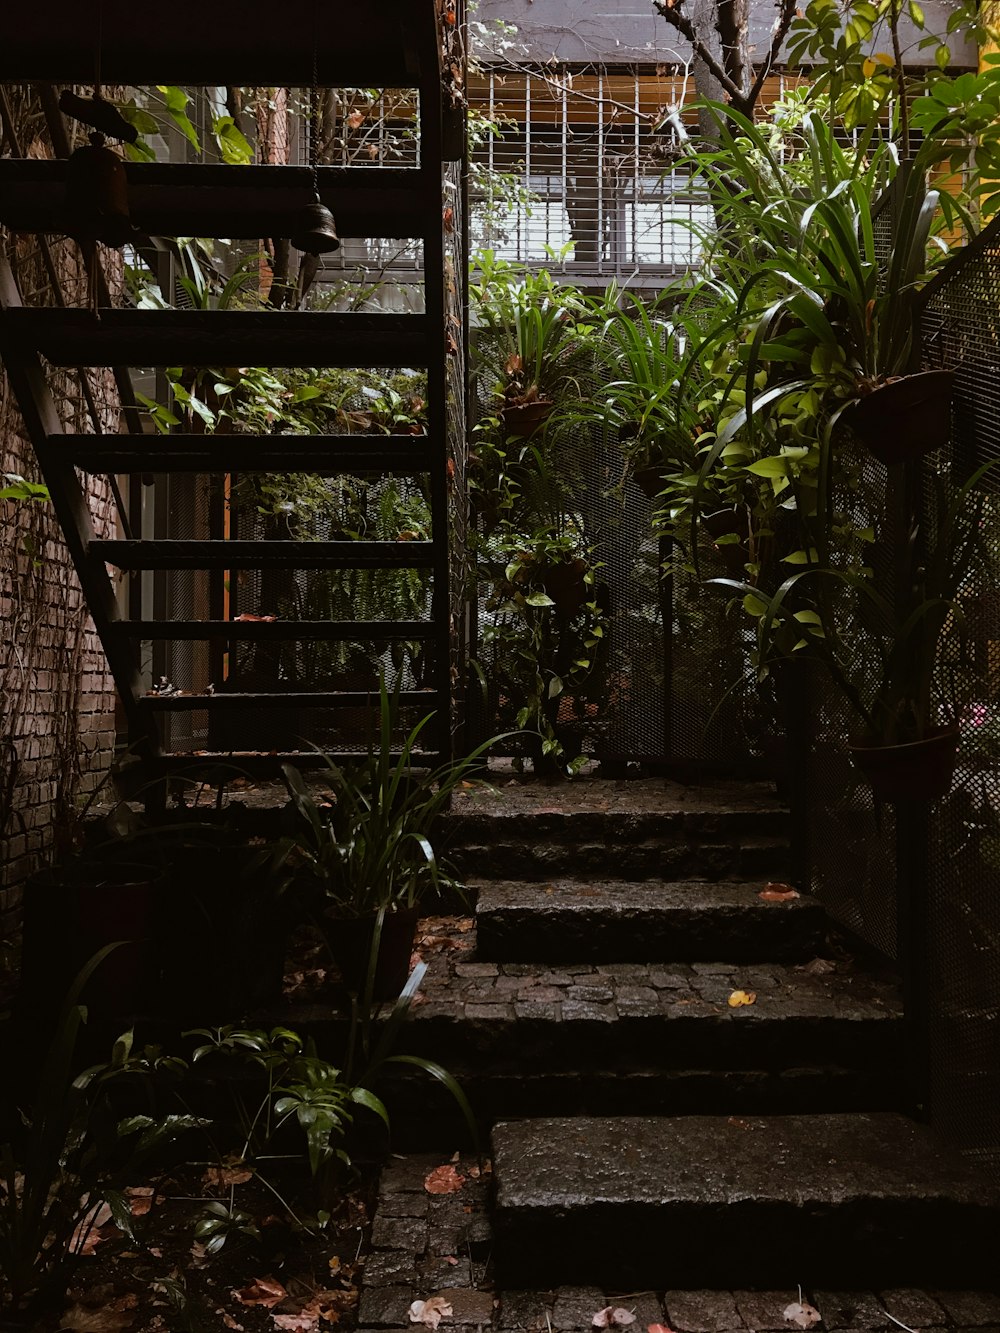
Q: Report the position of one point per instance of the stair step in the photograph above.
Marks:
(424, 1114)
(657, 1202)
(175, 554)
(626, 921)
(648, 829)
(326, 455)
(271, 631)
(220, 337)
(196, 199)
(540, 1022)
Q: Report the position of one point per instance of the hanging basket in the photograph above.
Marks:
(350, 940)
(919, 771)
(566, 585)
(906, 417)
(526, 419)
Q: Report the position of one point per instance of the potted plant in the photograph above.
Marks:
(533, 342)
(364, 841)
(645, 402)
(831, 281)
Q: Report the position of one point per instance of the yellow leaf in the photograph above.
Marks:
(742, 997)
(869, 67)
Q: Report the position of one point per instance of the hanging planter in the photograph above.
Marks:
(904, 417)
(919, 771)
(351, 937)
(526, 419)
(566, 585)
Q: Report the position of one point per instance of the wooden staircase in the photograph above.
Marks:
(399, 46)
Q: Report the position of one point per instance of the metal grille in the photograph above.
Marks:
(580, 169)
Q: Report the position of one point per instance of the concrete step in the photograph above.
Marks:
(649, 829)
(615, 921)
(851, 1200)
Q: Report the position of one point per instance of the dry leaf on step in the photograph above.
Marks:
(778, 893)
(742, 997)
(444, 1180)
(802, 1314)
(430, 1312)
(613, 1317)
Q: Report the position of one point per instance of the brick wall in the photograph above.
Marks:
(57, 702)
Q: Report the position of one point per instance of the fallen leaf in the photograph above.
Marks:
(88, 1236)
(613, 1317)
(234, 1174)
(801, 1314)
(140, 1199)
(103, 1320)
(778, 893)
(305, 1321)
(430, 1312)
(742, 997)
(265, 1291)
(444, 1180)
(229, 1321)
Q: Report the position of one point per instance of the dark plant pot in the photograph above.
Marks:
(68, 916)
(905, 418)
(649, 479)
(565, 584)
(919, 771)
(526, 419)
(222, 936)
(350, 940)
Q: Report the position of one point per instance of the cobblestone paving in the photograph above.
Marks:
(426, 1245)
(457, 986)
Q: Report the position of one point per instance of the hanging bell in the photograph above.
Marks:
(315, 233)
(97, 195)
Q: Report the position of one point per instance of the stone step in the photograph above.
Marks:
(424, 1115)
(543, 1025)
(615, 921)
(650, 829)
(851, 1200)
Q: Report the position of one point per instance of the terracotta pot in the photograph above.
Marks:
(906, 417)
(526, 419)
(565, 585)
(350, 940)
(919, 771)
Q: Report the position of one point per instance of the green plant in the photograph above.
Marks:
(297, 1087)
(534, 339)
(888, 671)
(367, 842)
(73, 1152)
(545, 641)
(645, 353)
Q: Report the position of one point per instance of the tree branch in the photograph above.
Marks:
(786, 13)
(686, 28)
